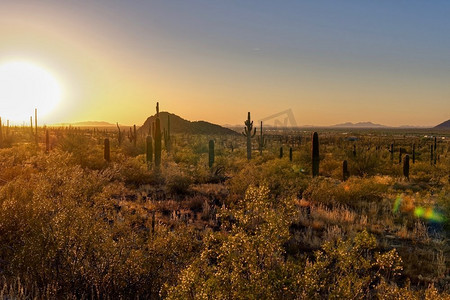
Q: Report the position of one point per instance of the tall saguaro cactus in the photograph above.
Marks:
(132, 136)
(249, 135)
(119, 135)
(414, 153)
(261, 139)
(315, 154)
(157, 137)
(431, 154)
(107, 151)
(406, 166)
(345, 172)
(149, 151)
(211, 153)
(391, 150)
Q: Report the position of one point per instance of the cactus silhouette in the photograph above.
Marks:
(119, 135)
(149, 151)
(345, 172)
(281, 152)
(249, 135)
(406, 166)
(107, 151)
(414, 153)
(261, 139)
(211, 153)
(132, 136)
(290, 153)
(431, 154)
(391, 150)
(157, 137)
(315, 154)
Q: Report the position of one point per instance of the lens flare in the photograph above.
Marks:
(427, 213)
(397, 203)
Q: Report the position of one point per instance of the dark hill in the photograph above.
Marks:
(444, 125)
(180, 125)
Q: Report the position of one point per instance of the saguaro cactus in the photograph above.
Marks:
(157, 137)
(315, 154)
(132, 136)
(290, 153)
(345, 172)
(431, 154)
(107, 152)
(414, 153)
(392, 151)
(211, 153)
(281, 152)
(406, 166)
(249, 135)
(261, 139)
(149, 151)
(119, 135)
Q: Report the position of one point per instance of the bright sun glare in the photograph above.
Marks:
(25, 86)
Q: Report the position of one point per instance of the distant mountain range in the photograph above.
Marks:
(359, 125)
(180, 125)
(87, 124)
(443, 125)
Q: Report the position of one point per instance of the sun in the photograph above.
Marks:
(25, 86)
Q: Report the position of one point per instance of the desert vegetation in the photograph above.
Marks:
(274, 214)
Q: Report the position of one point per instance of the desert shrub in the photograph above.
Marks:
(366, 162)
(331, 167)
(280, 176)
(178, 184)
(62, 228)
(355, 192)
(133, 170)
(248, 261)
(85, 150)
(348, 269)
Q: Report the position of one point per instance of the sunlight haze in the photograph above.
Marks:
(384, 62)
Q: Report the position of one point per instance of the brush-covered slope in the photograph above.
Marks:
(180, 125)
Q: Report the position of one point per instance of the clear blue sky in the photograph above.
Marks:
(329, 61)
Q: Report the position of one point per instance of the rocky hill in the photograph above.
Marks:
(444, 125)
(180, 125)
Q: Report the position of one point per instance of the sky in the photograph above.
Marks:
(328, 62)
